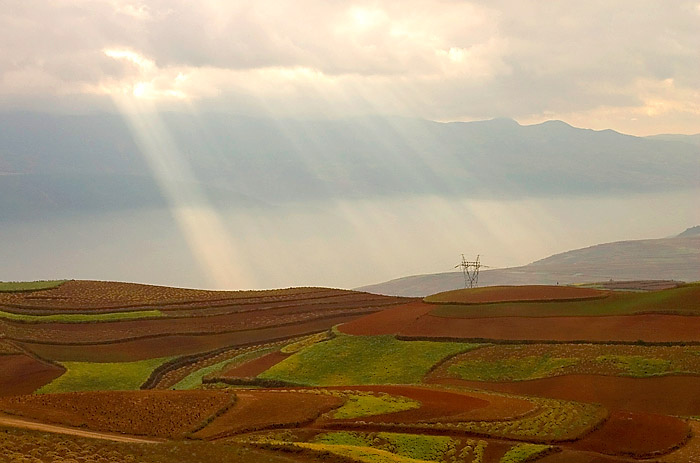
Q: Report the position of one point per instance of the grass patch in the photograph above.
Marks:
(412, 446)
(638, 366)
(81, 318)
(361, 405)
(306, 342)
(511, 369)
(359, 454)
(88, 376)
(525, 452)
(194, 379)
(348, 360)
(19, 286)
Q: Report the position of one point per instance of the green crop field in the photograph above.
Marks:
(638, 366)
(81, 318)
(511, 369)
(415, 446)
(87, 376)
(17, 286)
(681, 300)
(366, 404)
(525, 452)
(194, 379)
(347, 360)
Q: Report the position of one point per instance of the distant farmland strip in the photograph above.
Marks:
(684, 300)
(80, 318)
(27, 286)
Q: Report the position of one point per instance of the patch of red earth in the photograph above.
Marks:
(150, 413)
(22, 374)
(254, 367)
(140, 349)
(257, 410)
(627, 328)
(388, 321)
(447, 406)
(495, 294)
(575, 456)
(636, 435)
(667, 395)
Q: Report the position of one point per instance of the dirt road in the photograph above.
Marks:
(17, 422)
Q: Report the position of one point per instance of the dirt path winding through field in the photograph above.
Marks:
(38, 426)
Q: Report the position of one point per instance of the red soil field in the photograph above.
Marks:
(575, 456)
(626, 328)
(668, 395)
(388, 321)
(254, 367)
(495, 294)
(103, 294)
(22, 374)
(164, 346)
(169, 414)
(256, 410)
(636, 435)
(446, 406)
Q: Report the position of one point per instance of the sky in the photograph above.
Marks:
(629, 65)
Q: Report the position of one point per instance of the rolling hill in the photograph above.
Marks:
(675, 258)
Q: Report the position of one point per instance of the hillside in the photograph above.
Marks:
(101, 372)
(676, 258)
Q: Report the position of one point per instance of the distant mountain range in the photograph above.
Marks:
(675, 258)
(54, 163)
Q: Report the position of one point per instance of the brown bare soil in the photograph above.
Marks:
(690, 452)
(637, 435)
(388, 321)
(22, 374)
(256, 410)
(669, 395)
(622, 328)
(105, 294)
(576, 456)
(446, 406)
(496, 294)
(152, 347)
(169, 414)
(254, 367)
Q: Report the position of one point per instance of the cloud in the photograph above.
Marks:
(436, 59)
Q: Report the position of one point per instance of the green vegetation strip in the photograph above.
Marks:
(522, 453)
(20, 286)
(412, 446)
(354, 360)
(638, 366)
(511, 369)
(362, 405)
(88, 376)
(81, 318)
(681, 300)
(194, 379)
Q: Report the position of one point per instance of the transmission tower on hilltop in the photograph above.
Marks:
(470, 269)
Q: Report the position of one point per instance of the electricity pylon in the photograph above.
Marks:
(470, 269)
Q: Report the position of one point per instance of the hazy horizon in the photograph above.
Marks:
(267, 144)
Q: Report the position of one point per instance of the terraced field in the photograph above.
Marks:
(314, 374)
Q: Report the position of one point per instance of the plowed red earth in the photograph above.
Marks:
(22, 374)
(667, 395)
(495, 294)
(163, 346)
(388, 321)
(440, 405)
(256, 410)
(150, 413)
(628, 328)
(636, 435)
(254, 367)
